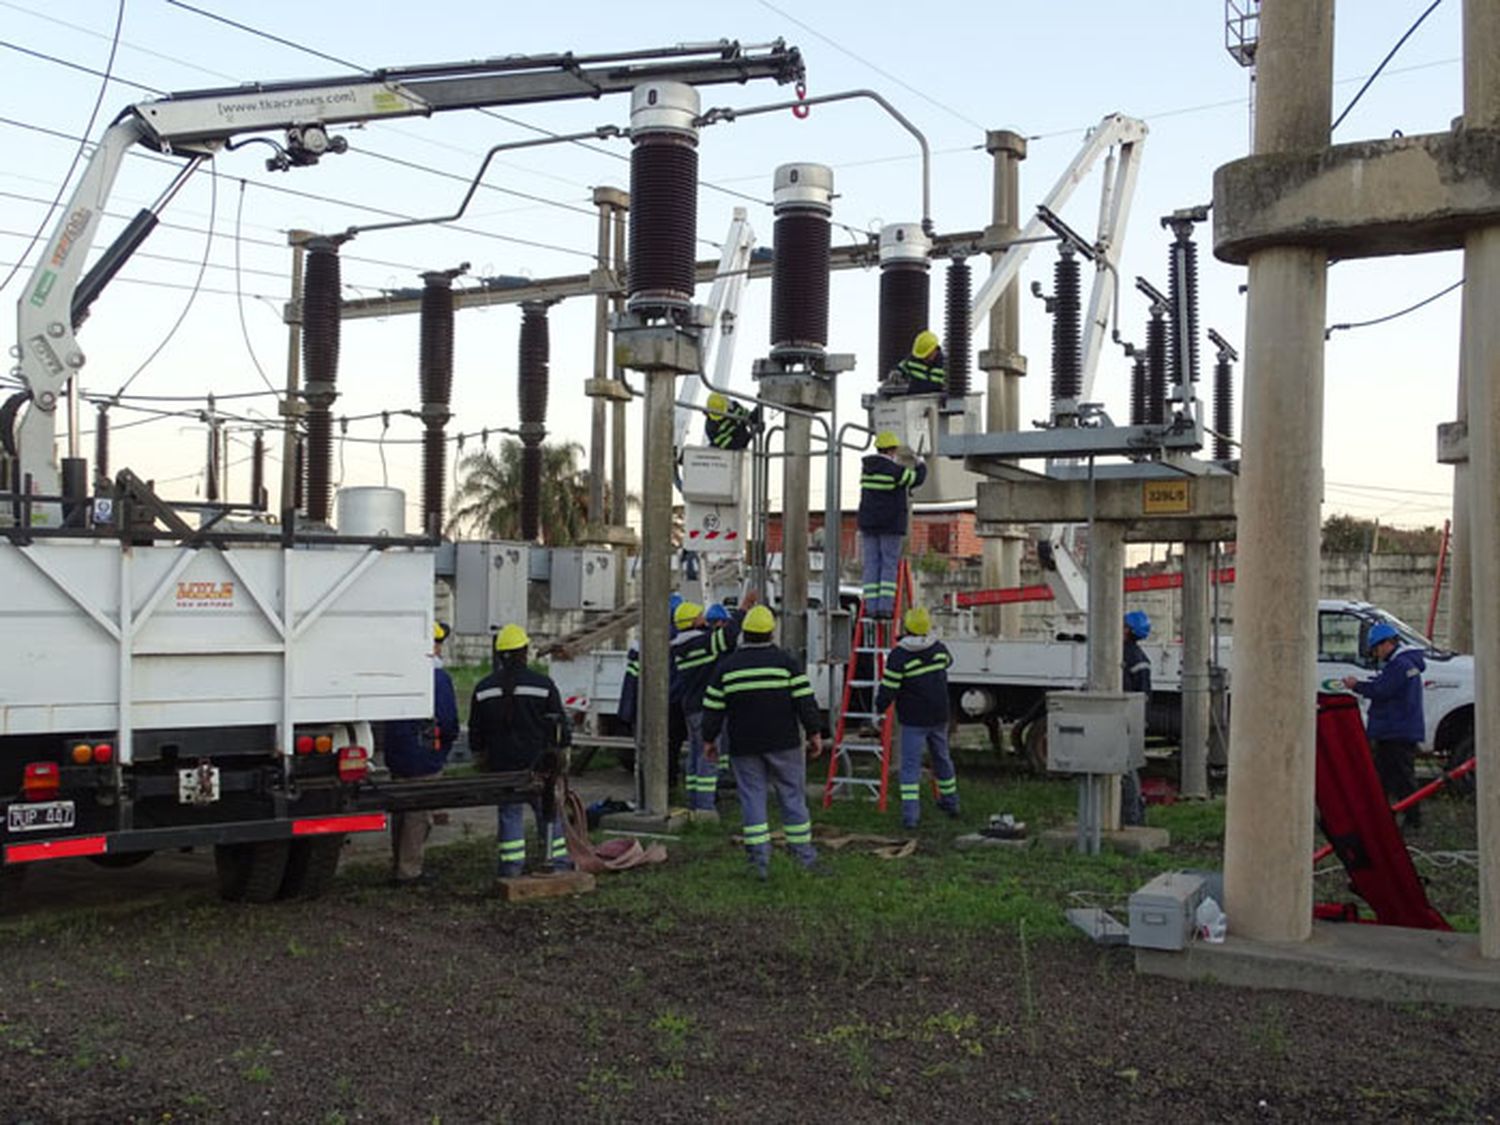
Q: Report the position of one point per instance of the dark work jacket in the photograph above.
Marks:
(763, 694)
(1395, 697)
(1137, 667)
(731, 431)
(414, 748)
(883, 485)
(916, 679)
(630, 688)
(925, 376)
(695, 652)
(536, 721)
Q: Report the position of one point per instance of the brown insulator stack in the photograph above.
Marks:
(662, 272)
(436, 374)
(956, 331)
(532, 387)
(101, 448)
(321, 298)
(799, 271)
(905, 290)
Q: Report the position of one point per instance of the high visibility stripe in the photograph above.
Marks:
(757, 685)
(527, 690)
(713, 703)
(747, 673)
(879, 484)
(911, 792)
(802, 692)
(947, 785)
(559, 847)
(799, 833)
(513, 850)
(908, 477)
(910, 670)
(1141, 667)
(689, 664)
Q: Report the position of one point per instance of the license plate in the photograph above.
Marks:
(41, 816)
(199, 786)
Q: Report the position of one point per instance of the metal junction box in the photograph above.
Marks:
(489, 585)
(1163, 912)
(713, 484)
(1089, 731)
(583, 578)
(922, 422)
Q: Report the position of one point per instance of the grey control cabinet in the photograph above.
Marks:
(490, 584)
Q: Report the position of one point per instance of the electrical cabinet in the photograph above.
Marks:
(489, 585)
(583, 578)
(1089, 731)
(713, 485)
(1164, 911)
(921, 422)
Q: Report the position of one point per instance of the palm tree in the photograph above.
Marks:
(487, 501)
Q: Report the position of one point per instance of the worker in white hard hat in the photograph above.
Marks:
(516, 718)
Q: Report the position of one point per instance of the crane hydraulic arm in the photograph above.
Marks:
(198, 123)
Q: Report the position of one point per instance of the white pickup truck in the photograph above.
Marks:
(1005, 681)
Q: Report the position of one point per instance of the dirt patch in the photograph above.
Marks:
(378, 1005)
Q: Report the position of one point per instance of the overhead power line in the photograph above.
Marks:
(1374, 74)
(1332, 328)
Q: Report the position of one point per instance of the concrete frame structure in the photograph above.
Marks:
(1284, 211)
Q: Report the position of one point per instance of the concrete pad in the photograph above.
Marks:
(656, 824)
(975, 840)
(1135, 840)
(1385, 963)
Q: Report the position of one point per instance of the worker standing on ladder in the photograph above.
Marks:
(515, 718)
(696, 650)
(916, 681)
(887, 477)
(760, 694)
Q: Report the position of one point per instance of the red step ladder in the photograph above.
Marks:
(860, 762)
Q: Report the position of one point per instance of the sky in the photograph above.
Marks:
(172, 326)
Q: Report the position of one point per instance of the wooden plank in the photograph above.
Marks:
(554, 885)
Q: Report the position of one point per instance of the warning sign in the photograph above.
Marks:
(1166, 497)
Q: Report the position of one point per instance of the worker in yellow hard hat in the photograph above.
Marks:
(884, 485)
(516, 718)
(695, 651)
(923, 371)
(916, 681)
(729, 425)
(760, 697)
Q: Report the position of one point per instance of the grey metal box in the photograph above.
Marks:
(583, 578)
(1088, 732)
(1163, 912)
(489, 585)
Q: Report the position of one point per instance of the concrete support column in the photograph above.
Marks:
(1197, 561)
(796, 479)
(1004, 366)
(1480, 362)
(1107, 628)
(618, 478)
(656, 582)
(597, 514)
(1269, 829)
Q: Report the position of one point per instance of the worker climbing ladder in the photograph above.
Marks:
(860, 762)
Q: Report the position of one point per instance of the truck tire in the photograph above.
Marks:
(118, 861)
(251, 872)
(311, 866)
(1035, 744)
(1459, 753)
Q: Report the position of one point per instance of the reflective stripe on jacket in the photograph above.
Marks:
(763, 694)
(916, 679)
(883, 486)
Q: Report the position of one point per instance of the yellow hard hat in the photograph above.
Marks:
(918, 621)
(511, 639)
(685, 614)
(440, 631)
(717, 404)
(760, 620)
(886, 439)
(925, 344)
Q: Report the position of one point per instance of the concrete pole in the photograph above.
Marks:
(1196, 567)
(1107, 628)
(656, 582)
(619, 486)
(597, 514)
(1269, 830)
(796, 480)
(1481, 362)
(1004, 365)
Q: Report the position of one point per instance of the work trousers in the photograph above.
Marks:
(409, 832)
(702, 775)
(755, 775)
(915, 742)
(1396, 763)
(882, 558)
(511, 836)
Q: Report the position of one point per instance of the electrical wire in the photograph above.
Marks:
(1332, 328)
(239, 295)
(178, 261)
(213, 210)
(1410, 31)
(123, 42)
(78, 67)
(88, 128)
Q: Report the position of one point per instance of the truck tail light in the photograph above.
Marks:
(104, 753)
(304, 744)
(323, 743)
(82, 754)
(354, 763)
(40, 781)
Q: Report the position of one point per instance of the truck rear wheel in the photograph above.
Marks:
(251, 872)
(1459, 753)
(1035, 745)
(311, 866)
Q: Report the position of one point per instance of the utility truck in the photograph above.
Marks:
(175, 676)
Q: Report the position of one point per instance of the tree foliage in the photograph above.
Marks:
(487, 502)
(1354, 536)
